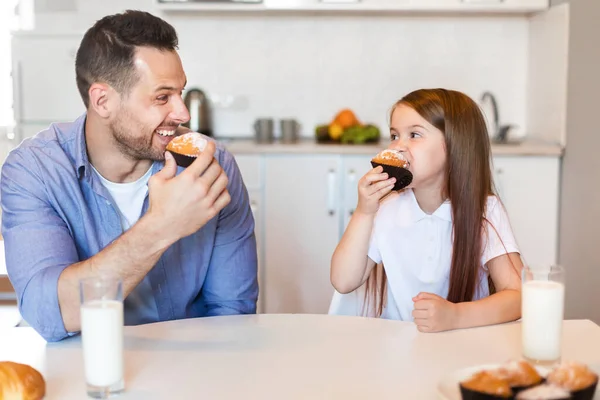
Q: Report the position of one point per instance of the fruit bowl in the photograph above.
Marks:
(347, 129)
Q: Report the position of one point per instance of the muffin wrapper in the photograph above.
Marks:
(183, 160)
(585, 394)
(468, 394)
(403, 176)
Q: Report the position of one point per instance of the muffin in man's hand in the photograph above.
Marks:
(186, 148)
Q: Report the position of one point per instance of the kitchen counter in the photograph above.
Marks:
(309, 146)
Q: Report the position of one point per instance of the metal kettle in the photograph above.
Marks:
(198, 105)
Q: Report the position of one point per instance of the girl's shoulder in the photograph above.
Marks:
(495, 211)
(494, 205)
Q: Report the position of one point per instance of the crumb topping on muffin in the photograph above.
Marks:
(573, 376)
(519, 374)
(489, 383)
(190, 144)
(547, 392)
(390, 157)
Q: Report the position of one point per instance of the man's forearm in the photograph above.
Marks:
(130, 257)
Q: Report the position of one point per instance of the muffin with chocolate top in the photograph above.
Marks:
(575, 377)
(485, 385)
(186, 148)
(395, 165)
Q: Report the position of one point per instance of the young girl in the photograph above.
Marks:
(439, 240)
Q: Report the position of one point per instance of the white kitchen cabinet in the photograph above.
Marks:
(361, 6)
(414, 5)
(257, 211)
(354, 168)
(308, 199)
(251, 168)
(44, 78)
(529, 189)
(302, 225)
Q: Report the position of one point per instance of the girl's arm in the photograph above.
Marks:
(504, 305)
(350, 265)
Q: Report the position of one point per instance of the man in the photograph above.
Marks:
(100, 195)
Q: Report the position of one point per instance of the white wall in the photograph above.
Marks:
(308, 67)
(547, 74)
(580, 200)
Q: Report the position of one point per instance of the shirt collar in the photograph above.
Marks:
(411, 212)
(82, 162)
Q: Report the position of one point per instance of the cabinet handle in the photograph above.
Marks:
(351, 184)
(331, 192)
(18, 95)
(499, 184)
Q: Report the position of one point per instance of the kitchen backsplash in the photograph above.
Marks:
(308, 67)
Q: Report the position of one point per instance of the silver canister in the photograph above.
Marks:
(198, 106)
(290, 130)
(263, 130)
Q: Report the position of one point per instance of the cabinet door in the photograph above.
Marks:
(517, 6)
(301, 222)
(354, 168)
(528, 187)
(251, 167)
(44, 84)
(257, 212)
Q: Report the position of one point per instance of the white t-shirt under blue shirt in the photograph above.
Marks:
(129, 200)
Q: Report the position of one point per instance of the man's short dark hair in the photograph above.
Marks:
(107, 49)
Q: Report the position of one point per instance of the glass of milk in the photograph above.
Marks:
(542, 311)
(102, 335)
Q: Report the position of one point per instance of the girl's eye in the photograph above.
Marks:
(415, 134)
(393, 136)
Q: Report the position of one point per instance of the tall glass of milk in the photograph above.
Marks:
(102, 335)
(542, 311)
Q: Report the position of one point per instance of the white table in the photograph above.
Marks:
(286, 357)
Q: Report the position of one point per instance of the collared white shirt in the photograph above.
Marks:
(416, 251)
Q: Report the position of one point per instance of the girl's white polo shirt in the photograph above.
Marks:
(416, 249)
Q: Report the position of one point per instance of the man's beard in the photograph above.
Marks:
(137, 147)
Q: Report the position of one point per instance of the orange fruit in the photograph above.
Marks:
(346, 118)
(335, 131)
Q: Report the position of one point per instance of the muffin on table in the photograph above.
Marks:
(575, 377)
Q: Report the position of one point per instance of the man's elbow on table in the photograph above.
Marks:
(39, 306)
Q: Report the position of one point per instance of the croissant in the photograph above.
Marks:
(20, 381)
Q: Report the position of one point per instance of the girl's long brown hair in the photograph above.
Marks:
(468, 184)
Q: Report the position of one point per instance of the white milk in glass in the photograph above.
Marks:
(102, 341)
(542, 316)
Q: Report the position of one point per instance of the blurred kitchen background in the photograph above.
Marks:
(536, 61)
